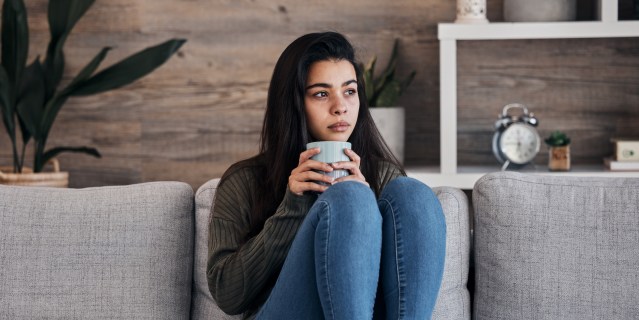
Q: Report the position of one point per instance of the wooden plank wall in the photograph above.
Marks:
(202, 111)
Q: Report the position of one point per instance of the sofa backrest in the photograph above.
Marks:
(550, 247)
(122, 252)
(453, 301)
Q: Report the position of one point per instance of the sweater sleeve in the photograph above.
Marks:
(238, 271)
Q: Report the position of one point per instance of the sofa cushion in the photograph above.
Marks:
(551, 247)
(120, 252)
(452, 303)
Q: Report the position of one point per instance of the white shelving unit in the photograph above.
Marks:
(449, 174)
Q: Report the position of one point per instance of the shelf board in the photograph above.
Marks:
(466, 176)
(538, 30)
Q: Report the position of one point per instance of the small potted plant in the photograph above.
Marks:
(382, 93)
(559, 151)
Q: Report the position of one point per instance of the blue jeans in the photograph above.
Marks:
(350, 243)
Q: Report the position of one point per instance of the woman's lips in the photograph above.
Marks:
(339, 126)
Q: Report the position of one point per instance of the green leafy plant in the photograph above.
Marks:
(384, 90)
(31, 96)
(557, 139)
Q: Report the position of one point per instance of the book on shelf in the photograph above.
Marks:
(615, 165)
(626, 149)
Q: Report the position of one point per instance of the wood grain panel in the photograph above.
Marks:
(201, 111)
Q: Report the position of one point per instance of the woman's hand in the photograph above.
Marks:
(303, 177)
(352, 166)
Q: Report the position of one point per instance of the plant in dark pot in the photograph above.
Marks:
(31, 95)
(382, 93)
(558, 151)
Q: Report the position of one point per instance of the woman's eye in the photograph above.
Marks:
(321, 94)
(350, 92)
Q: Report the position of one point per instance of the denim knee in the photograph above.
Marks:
(409, 190)
(408, 187)
(353, 200)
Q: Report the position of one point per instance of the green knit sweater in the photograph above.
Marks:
(242, 273)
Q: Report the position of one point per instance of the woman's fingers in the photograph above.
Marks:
(304, 156)
(308, 181)
(305, 176)
(354, 156)
(352, 178)
(312, 165)
(352, 166)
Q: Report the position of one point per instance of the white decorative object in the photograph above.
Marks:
(471, 11)
(390, 123)
(540, 10)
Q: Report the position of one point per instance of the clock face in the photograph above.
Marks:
(519, 143)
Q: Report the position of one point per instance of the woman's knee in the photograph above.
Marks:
(351, 201)
(409, 192)
(409, 188)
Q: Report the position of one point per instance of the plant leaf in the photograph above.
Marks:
(407, 82)
(389, 72)
(389, 95)
(56, 102)
(88, 70)
(368, 74)
(57, 150)
(5, 104)
(30, 102)
(130, 69)
(63, 15)
(51, 110)
(15, 39)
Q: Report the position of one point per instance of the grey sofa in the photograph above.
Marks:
(139, 251)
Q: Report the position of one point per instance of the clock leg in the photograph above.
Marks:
(505, 165)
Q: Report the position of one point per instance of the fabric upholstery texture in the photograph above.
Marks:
(549, 247)
(204, 306)
(122, 252)
(452, 303)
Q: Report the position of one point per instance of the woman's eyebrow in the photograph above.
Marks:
(349, 82)
(326, 85)
(320, 84)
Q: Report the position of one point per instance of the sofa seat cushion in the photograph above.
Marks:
(122, 252)
(550, 247)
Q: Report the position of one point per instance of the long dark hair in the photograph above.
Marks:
(285, 131)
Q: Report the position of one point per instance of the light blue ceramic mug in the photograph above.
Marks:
(331, 152)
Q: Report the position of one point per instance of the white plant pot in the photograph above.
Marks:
(390, 123)
(540, 10)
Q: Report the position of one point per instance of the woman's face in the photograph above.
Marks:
(331, 101)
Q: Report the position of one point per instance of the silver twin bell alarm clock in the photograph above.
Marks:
(516, 141)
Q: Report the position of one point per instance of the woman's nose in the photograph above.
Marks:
(339, 107)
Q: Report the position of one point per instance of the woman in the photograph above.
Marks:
(277, 250)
